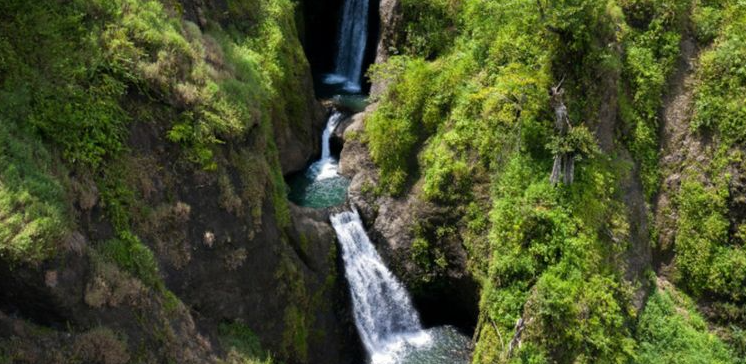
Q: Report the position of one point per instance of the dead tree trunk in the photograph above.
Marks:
(564, 163)
(516, 341)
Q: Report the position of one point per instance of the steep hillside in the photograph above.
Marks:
(143, 212)
(480, 102)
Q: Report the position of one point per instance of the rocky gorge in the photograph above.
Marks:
(243, 181)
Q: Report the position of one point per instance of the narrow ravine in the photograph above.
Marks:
(386, 320)
(388, 324)
(320, 185)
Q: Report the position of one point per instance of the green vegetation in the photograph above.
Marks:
(430, 26)
(652, 50)
(34, 216)
(77, 77)
(72, 88)
(466, 124)
(671, 331)
(709, 243)
(134, 257)
(242, 344)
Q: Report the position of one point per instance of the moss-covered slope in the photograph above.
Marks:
(143, 215)
(464, 134)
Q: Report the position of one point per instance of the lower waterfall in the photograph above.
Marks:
(388, 323)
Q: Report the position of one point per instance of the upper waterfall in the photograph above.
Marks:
(352, 40)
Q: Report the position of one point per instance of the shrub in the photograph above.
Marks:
(131, 255)
(242, 344)
(34, 215)
(671, 331)
(101, 345)
(707, 263)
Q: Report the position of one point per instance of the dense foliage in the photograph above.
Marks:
(711, 229)
(467, 125)
(671, 331)
(76, 77)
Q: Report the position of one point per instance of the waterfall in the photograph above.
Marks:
(385, 318)
(353, 37)
(331, 124)
(327, 166)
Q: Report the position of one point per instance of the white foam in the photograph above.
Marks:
(388, 324)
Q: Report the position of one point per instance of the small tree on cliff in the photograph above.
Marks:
(570, 143)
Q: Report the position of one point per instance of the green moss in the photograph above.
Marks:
(34, 214)
(235, 336)
(298, 314)
(296, 332)
(671, 331)
(134, 257)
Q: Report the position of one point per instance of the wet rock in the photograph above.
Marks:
(391, 23)
(448, 296)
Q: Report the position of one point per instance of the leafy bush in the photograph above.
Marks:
(718, 103)
(707, 19)
(579, 142)
(580, 320)
(393, 131)
(242, 344)
(131, 255)
(703, 255)
(710, 257)
(652, 49)
(430, 26)
(671, 331)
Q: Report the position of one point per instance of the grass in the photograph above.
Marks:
(34, 213)
(242, 344)
(671, 331)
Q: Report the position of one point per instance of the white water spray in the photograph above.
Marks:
(326, 167)
(387, 322)
(353, 38)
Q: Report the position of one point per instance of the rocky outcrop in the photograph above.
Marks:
(297, 143)
(204, 247)
(391, 22)
(270, 267)
(680, 149)
(79, 307)
(448, 296)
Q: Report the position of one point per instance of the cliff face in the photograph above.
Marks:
(160, 230)
(450, 170)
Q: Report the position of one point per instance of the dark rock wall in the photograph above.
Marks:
(227, 245)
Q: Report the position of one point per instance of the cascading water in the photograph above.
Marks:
(321, 185)
(384, 314)
(353, 38)
(388, 324)
(327, 166)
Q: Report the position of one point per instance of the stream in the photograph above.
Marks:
(387, 322)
